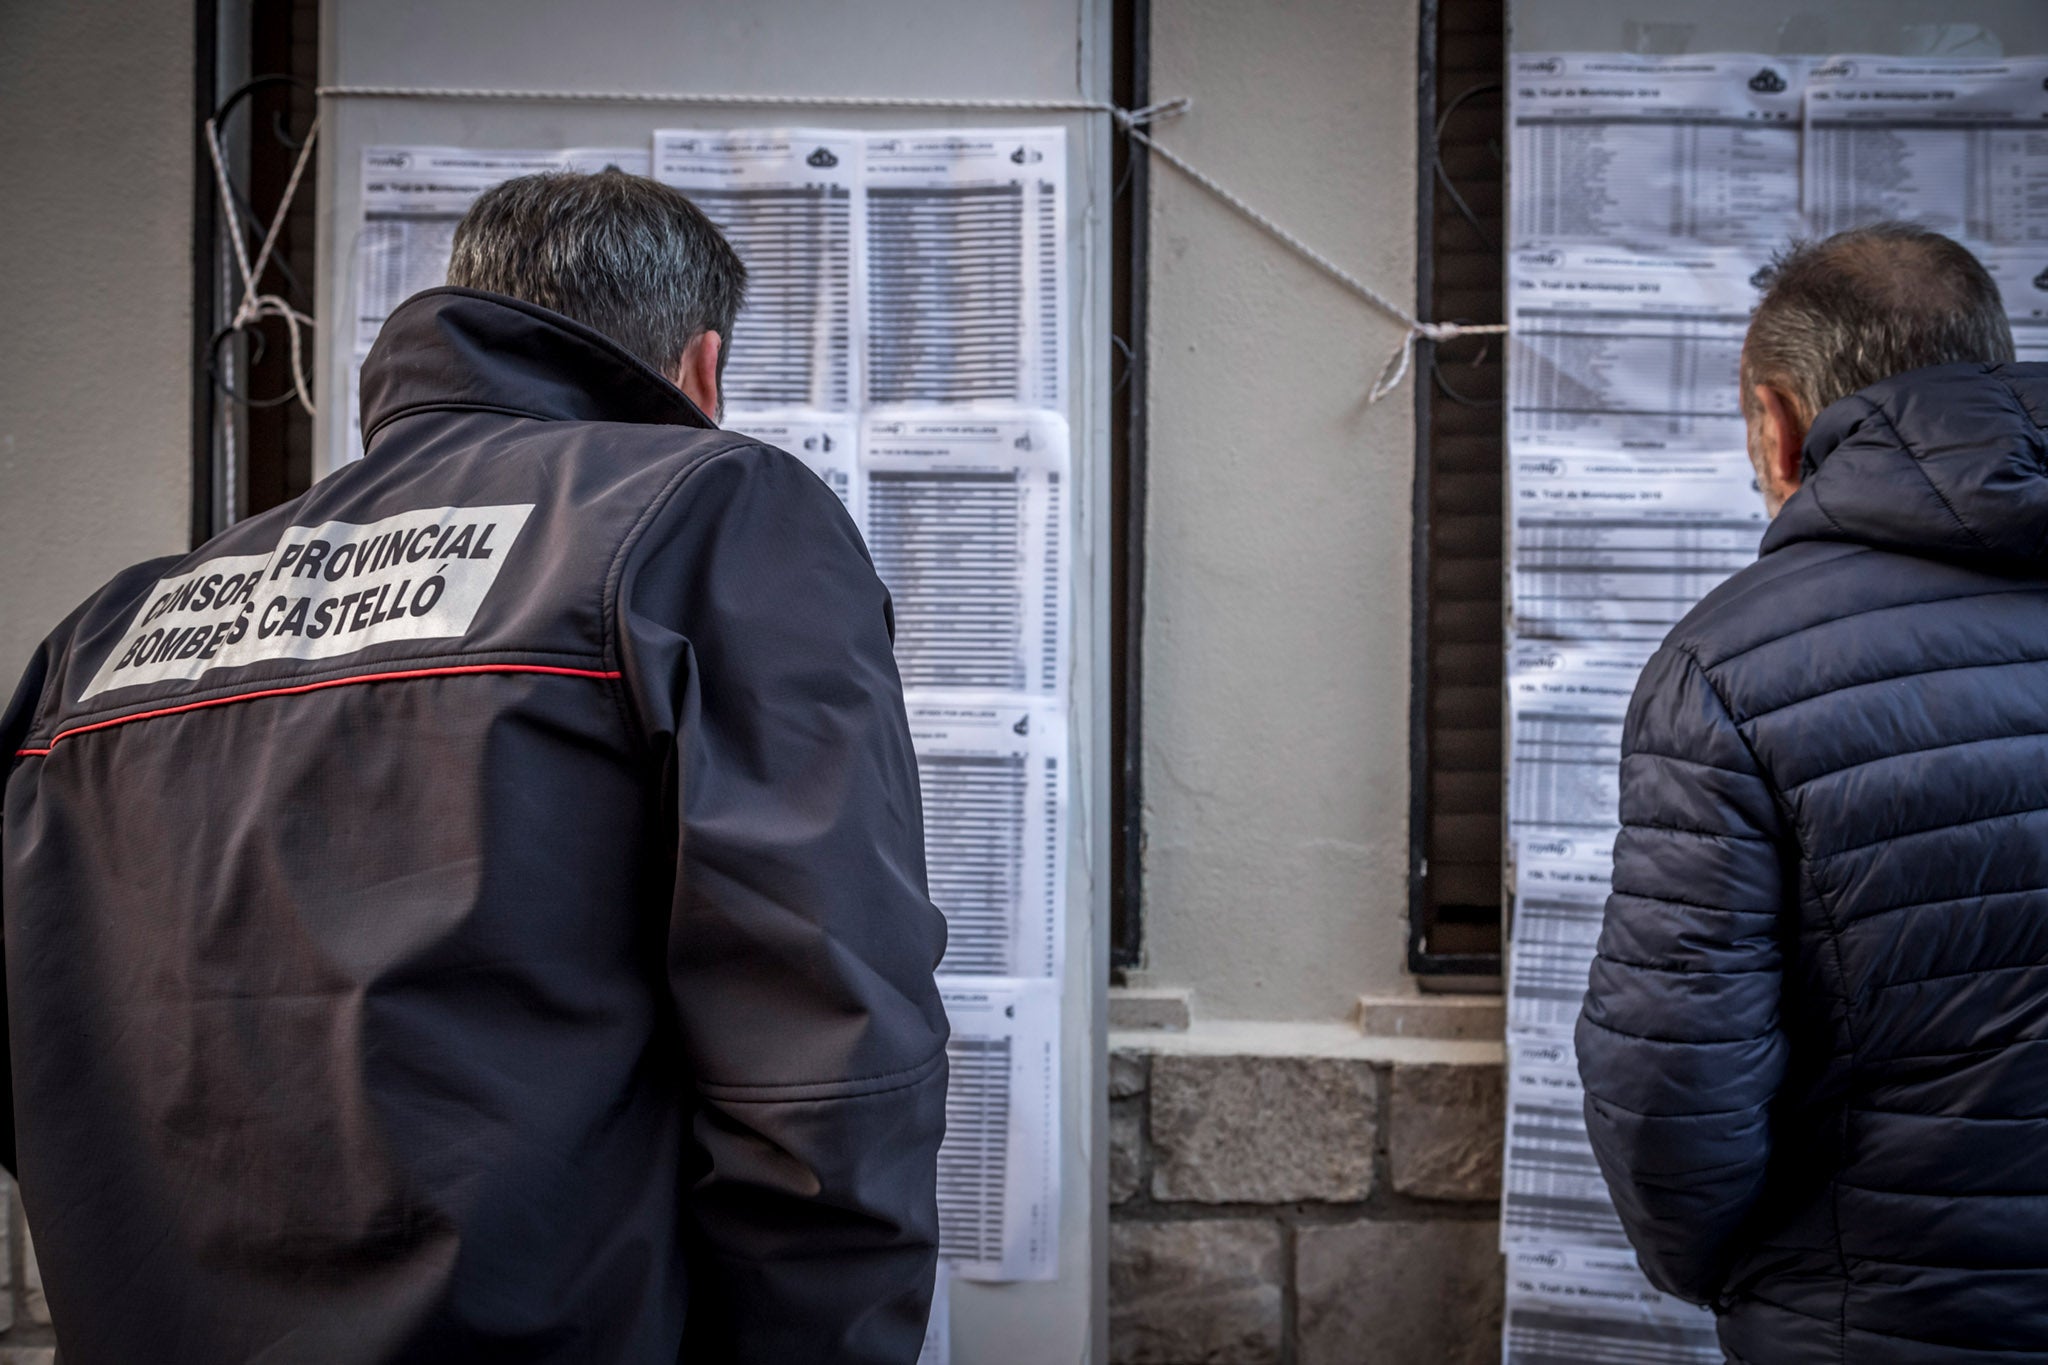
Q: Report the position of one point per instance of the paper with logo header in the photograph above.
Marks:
(824, 441)
(965, 514)
(993, 772)
(1554, 1194)
(413, 197)
(325, 591)
(964, 287)
(2022, 277)
(1614, 349)
(999, 1175)
(1959, 145)
(1620, 545)
(1561, 879)
(1566, 703)
(1577, 1304)
(786, 198)
(1654, 152)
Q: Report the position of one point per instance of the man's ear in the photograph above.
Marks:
(697, 373)
(1784, 437)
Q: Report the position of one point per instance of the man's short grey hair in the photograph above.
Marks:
(621, 254)
(1841, 314)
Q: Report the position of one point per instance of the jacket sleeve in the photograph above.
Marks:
(1680, 1043)
(802, 941)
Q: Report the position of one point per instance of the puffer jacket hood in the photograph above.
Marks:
(1949, 462)
(1815, 1039)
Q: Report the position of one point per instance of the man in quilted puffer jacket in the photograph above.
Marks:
(1815, 1046)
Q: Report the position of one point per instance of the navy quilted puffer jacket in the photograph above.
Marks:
(1815, 1047)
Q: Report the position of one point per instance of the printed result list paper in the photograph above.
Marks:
(413, 197)
(1957, 145)
(904, 337)
(1647, 195)
(999, 1174)
(993, 774)
(1623, 150)
(786, 199)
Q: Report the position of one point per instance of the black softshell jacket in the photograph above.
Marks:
(477, 910)
(1815, 1047)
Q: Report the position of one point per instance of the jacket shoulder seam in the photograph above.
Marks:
(608, 606)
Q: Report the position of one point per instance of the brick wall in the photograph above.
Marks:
(1295, 1210)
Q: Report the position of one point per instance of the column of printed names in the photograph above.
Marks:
(904, 337)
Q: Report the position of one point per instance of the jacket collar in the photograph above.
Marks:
(464, 349)
(1949, 462)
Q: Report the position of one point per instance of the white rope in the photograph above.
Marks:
(1130, 122)
(1396, 367)
(256, 306)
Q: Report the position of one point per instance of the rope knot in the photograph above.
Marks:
(1128, 119)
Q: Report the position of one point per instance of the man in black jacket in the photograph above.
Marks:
(477, 910)
(1815, 1047)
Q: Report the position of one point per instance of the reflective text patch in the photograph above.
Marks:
(323, 591)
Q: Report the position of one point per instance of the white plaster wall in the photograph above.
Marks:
(95, 356)
(1278, 533)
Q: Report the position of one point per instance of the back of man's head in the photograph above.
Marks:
(623, 255)
(1841, 314)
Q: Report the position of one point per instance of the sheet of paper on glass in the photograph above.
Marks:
(1566, 702)
(965, 515)
(999, 1178)
(413, 197)
(1561, 880)
(2022, 277)
(824, 441)
(1587, 1304)
(1628, 350)
(786, 200)
(1959, 145)
(1624, 150)
(1620, 545)
(993, 773)
(1554, 1195)
(966, 233)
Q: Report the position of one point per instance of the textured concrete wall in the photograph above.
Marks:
(95, 360)
(1278, 539)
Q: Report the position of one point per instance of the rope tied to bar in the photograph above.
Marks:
(256, 305)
